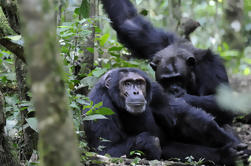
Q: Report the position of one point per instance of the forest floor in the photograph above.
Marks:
(241, 129)
(244, 132)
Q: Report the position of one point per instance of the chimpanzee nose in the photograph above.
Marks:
(136, 92)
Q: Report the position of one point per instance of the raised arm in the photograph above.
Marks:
(136, 33)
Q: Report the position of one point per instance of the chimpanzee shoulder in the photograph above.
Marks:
(210, 72)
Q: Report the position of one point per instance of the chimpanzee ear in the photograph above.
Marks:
(201, 54)
(108, 81)
(191, 61)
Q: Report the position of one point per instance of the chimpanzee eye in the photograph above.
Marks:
(139, 82)
(127, 83)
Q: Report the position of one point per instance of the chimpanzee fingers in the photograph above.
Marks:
(149, 144)
(241, 146)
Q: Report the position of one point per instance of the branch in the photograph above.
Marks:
(10, 11)
(17, 49)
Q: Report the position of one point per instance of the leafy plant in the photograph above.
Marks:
(191, 161)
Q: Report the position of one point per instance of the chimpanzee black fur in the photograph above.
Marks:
(167, 128)
(144, 41)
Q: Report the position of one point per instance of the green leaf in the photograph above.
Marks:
(84, 9)
(32, 123)
(82, 101)
(104, 39)
(15, 38)
(89, 81)
(90, 49)
(99, 72)
(105, 111)
(144, 12)
(11, 100)
(94, 117)
(101, 111)
(11, 76)
(98, 105)
(76, 11)
(115, 48)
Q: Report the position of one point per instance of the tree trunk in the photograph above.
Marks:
(57, 141)
(234, 24)
(88, 57)
(30, 137)
(174, 14)
(6, 158)
(10, 10)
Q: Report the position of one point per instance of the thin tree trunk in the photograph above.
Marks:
(174, 14)
(234, 26)
(57, 141)
(87, 57)
(30, 137)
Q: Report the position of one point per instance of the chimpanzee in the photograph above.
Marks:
(148, 120)
(182, 69)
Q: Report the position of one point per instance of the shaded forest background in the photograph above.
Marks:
(88, 48)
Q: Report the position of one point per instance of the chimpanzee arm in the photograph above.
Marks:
(196, 125)
(222, 156)
(209, 104)
(105, 137)
(137, 34)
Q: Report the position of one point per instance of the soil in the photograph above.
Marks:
(244, 132)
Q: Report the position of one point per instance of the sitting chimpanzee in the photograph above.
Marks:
(182, 69)
(148, 120)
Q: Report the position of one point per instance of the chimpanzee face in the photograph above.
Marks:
(173, 66)
(132, 88)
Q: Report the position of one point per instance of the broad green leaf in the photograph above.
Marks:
(76, 11)
(82, 101)
(98, 105)
(74, 105)
(11, 100)
(90, 49)
(104, 39)
(15, 38)
(94, 117)
(101, 111)
(115, 48)
(32, 123)
(84, 9)
(89, 81)
(99, 72)
(11, 76)
(104, 111)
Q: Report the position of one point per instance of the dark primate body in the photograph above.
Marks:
(147, 119)
(170, 56)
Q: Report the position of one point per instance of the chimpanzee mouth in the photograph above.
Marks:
(167, 80)
(135, 107)
(135, 104)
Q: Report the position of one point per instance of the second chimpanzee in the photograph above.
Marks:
(194, 73)
(146, 119)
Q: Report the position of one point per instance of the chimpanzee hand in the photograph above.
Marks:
(238, 152)
(176, 90)
(148, 144)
